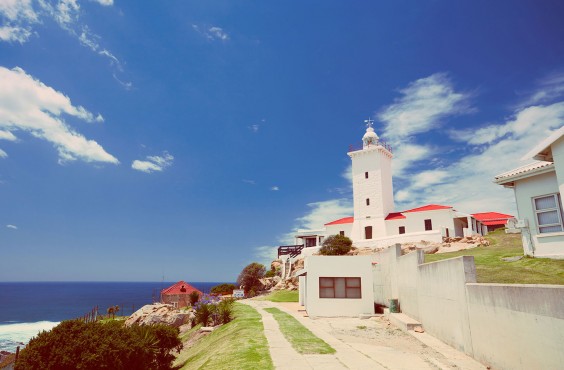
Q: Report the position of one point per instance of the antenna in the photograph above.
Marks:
(369, 122)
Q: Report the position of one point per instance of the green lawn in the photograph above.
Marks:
(281, 296)
(240, 344)
(303, 340)
(490, 268)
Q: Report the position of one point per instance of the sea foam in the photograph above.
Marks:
(13, 335)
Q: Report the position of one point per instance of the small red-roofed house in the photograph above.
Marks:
(492, 220)
(178, 294)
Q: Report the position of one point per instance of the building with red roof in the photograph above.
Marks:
(375, 222)
(178, 294)
(493, 220)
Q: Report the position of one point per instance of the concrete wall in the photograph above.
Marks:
(517, 326)
(335, 229)
(338, 266)
(434, 236)
(502, 325)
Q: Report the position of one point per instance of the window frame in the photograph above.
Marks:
(348, 286)
(365, 175)
(430, 224)
(367, 201)
(401, 230)
(558, 209)
(366, 228)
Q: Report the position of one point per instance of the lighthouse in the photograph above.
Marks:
(373, 196)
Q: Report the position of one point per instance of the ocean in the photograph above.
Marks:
(26, 308)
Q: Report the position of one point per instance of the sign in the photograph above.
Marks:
(238, 293)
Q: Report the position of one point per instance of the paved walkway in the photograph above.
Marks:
(352, 353)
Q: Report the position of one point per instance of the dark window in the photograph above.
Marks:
(402, 229)
(368, 232)
(428, 225)
(366, 175)
(310, 242)
(367, 201)
(340, 287)
(342, 233)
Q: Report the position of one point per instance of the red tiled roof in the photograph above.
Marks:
(491, 216)
(177, 288)
(395, 216)
(428, 207)
(494, 223)
(344, 220)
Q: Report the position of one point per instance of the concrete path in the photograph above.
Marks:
(352, 353)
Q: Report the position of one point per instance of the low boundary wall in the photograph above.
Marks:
(506, 326)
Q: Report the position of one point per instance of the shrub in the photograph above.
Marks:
(223, 289)
(249, 277)
(213, 310)
(270, 273)
(336, 245)
(79, 345)
(193, 297)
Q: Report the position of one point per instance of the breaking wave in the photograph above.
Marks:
(18, 334)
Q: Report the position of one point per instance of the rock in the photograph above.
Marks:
(207, 329)
(159, 313)
(276, 265)
(418, 329)
(298, 264)
(365, 251)
(432, 249)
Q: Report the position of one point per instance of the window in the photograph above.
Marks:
(548, 213)
(310, 242)
(402, 229)
(366, 175)
(367, 201)
(428, 225)
(320, 240)
(340, 287)
(342, 233)
(368, 232)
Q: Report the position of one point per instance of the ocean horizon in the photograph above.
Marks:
(26, 308)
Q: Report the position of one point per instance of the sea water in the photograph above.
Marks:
(26, 308)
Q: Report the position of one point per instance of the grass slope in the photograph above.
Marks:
(240, 344)
(490, 268)
(281, 296)
(303, 340)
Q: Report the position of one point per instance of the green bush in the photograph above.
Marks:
(78, 345)
(213, 310)
(270, 273)
(336, 245)
(250, 276)
(194, 297)
(223, 289)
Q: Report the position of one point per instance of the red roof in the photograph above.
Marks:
(178, 288)
(428, 207)
(395, 216)
(492, 218)
(344, 220)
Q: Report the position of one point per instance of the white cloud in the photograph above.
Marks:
(549, 88)
(3, 154)
(14, 227)
(7, 135)
(14, 33)
(424, 104)
(104, 2)
(266, 254)
(254, 128)
(153, 163)
(251, 182)
(275, 188)
(212, 33)
(26, 104)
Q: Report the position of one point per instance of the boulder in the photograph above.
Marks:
(159, 313)
(276, 265)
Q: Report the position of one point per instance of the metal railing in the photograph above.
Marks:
(292, 250)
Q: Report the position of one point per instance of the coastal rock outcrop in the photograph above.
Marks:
(158, 313)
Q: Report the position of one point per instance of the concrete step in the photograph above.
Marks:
(403, 321)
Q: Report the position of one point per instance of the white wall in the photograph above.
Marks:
(338, 266)
(335, 229)
(545, 245)
(433, 236)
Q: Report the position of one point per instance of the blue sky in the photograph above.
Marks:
(188, 138)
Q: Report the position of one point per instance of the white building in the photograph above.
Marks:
(537, 187)
(375, 222)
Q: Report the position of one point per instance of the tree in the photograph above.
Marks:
(223, 289)
(336, 245)
(249, 277)
(194, 297)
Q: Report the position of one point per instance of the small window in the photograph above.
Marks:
(367, 201)
(402, 229)
(368, 232)
(310, 242)
(428, 225)
(548, 213)
(342, 233)
(366, 175)
(340, 287)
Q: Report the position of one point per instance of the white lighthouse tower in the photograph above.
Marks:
(372, 187)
